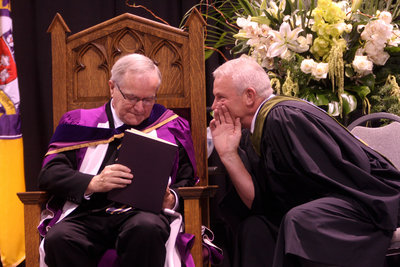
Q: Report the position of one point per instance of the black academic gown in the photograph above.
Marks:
(342, 196)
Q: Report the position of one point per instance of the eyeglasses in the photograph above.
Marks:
(147, 101)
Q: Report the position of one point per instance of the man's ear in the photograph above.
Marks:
(250, 96)
(112, 87)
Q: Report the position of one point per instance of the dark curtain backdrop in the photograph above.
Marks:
(31, 19)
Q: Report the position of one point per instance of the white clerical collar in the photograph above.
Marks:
(253, 122)
(117, 121)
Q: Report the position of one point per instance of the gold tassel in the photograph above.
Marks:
(336, 71)
(276, 85)
(290, 88)
(395, 89)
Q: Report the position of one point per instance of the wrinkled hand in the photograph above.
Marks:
(225, 131)
(112, 176)
(169, 199)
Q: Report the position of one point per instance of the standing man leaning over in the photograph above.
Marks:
(79, 170)
(318, 195)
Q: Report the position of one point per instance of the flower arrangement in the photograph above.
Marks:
(339, 55)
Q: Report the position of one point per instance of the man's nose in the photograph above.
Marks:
(139, 106)
(214, 104)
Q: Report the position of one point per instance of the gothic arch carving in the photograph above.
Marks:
(167, 55)
(90, 71)
(126, 41)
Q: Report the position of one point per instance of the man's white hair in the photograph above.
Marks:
(132, 64)
(245, 73)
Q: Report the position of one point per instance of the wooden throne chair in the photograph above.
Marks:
(81, 65)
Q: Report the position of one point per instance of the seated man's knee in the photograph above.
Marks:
(298, 214)
(55, 238)
(144, 234)
(146, 225)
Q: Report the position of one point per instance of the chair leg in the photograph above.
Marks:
(32, 207)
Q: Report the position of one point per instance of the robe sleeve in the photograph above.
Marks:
(61, 178)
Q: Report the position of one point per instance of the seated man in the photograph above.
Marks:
(318, 195)
(79, 170)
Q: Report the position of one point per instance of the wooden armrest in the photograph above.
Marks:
(198, 192)
(33, 202)
(196, 206)
(33, 197)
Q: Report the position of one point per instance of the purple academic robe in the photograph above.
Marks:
(79, 129)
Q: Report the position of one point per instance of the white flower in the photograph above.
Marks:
(265, 30)
(341, 27)
(345, 6)
(377, 34)
(360, 28)
(304, 42)
(348, 28)
(372, 48)
(273, 10)
(287, 54)
(286, 18)
(251, 28)
(386, 17)
(379, 58)
(376, 53)
(395, 39)
(267, 63)
(242, 22)
(377, 31)
(284, 40)
(362, 65)
(320, 71)
(307, 65)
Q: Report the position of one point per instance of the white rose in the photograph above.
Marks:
(386, 17)
(373, 48)
(376, 53)
(307, 65)
(362, 65)
(379, 58)
(320, 71)
(377, 31)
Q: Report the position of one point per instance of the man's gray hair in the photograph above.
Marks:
(132, 64)
(245, 72)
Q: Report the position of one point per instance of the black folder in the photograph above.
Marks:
(151, 160)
